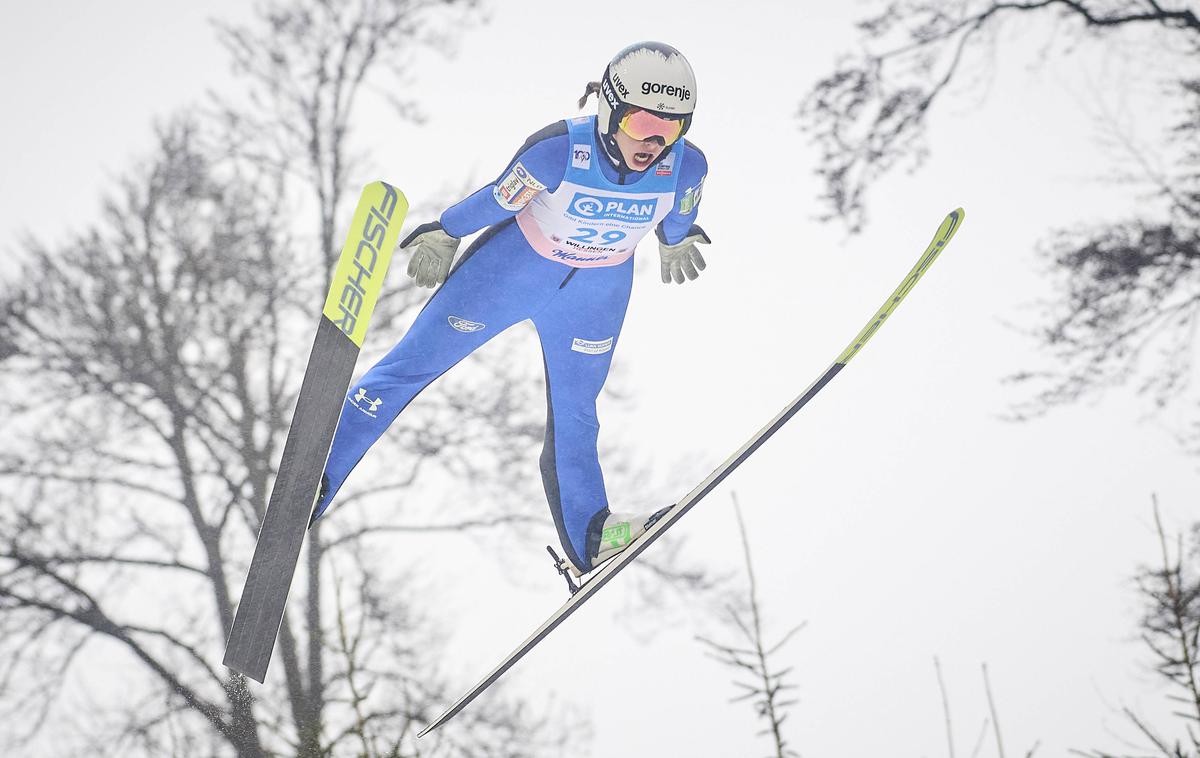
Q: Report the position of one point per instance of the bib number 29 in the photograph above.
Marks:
(611, 237)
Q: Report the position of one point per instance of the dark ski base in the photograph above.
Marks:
(606, 572)
(260, 611)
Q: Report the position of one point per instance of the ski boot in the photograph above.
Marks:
(617, 532)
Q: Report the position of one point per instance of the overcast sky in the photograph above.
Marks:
(897, 514)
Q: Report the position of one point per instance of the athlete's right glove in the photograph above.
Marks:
(430, 262)
(683, 258)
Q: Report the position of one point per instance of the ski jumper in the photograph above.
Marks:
(558, 250)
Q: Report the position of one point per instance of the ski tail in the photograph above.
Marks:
(358, 278)
(606, 572)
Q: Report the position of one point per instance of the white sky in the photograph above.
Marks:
(896, 514)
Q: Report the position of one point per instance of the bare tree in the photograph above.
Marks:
(1128, 288)
(871, 113)
(135, 492)
(306, 66)
(1170, 629)
(767, 687)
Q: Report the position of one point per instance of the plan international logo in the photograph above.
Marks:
(602, 207)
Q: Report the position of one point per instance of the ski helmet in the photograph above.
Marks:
(649, 76)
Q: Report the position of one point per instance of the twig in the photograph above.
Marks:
(945, 705)
(987, 686)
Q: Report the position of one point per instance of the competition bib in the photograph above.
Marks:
(589, 221)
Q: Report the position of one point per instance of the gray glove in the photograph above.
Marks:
(430, 262)
(683, 259)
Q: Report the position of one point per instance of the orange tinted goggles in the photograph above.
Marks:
(644, 126)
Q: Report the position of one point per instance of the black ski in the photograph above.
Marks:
(606, 572)
(348, 307)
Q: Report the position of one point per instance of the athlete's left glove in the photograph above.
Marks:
(683, 258)
(430, 262)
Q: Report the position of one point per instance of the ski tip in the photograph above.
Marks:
(946, 231)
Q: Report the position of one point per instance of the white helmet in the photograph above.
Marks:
(651, 76)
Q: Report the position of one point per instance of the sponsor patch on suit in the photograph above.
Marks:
(464, 325)
(515, 190)
(581, 156)
(591, 347)
(665, 166)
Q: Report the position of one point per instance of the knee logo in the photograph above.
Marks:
(367, 405)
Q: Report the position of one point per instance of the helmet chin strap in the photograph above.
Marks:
(613, 152)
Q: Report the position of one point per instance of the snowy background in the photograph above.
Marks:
(898, 514)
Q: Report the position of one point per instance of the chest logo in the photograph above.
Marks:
(605, 208)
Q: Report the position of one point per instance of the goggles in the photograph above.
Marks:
(644, 126)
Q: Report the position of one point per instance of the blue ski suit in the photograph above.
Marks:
(576, 300)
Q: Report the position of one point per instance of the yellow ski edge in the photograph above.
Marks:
(358, 279)
(941, 239)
